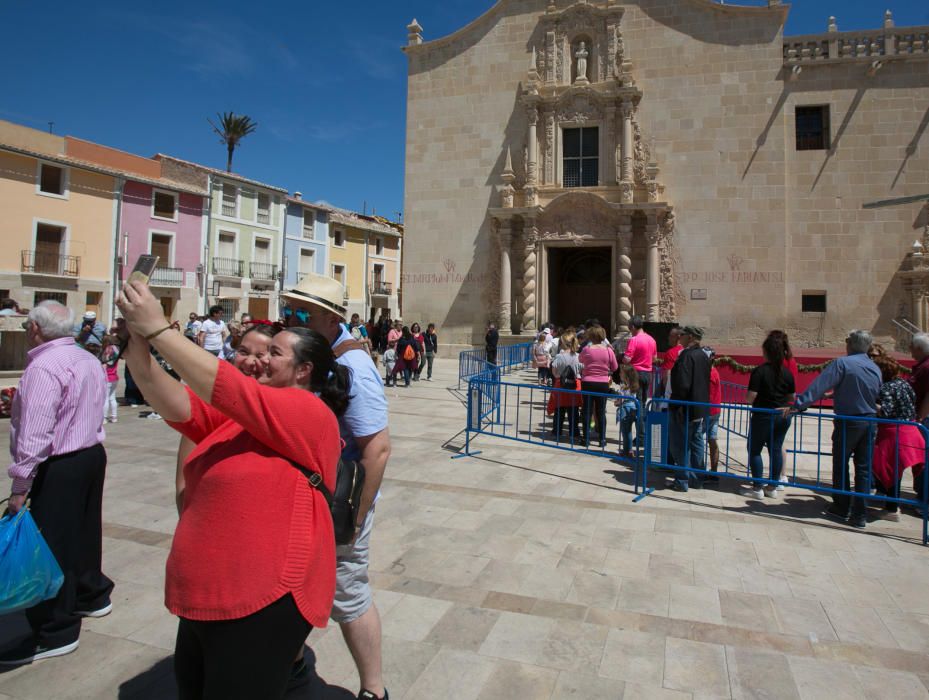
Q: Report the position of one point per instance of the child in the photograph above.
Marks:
(109, 358)
(626, 412)
(390, 361)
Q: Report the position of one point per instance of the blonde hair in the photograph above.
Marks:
(569, 341)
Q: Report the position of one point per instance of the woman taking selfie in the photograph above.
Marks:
(252, 564)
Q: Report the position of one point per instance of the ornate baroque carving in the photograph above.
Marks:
(643, 154)
(579, 109)
(549, 62)
(577, 217)
(625, 276)
(626, 192)
(549, 148)
(671, 296)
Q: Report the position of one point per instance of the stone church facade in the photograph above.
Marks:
(677, 159)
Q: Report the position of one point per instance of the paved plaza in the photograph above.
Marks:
(528, 572)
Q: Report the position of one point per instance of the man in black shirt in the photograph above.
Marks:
(690, 381)
(490, 343)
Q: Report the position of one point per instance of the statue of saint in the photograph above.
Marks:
(581, 56)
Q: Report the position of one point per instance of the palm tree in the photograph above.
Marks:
(232, 129)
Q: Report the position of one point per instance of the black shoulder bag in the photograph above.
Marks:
(345, 503)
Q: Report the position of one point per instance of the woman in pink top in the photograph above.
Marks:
(599, 363)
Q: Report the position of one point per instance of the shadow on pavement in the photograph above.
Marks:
(157, 683)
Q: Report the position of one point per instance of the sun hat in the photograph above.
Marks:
(319, 291)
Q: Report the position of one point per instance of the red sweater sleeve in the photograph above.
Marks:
(292, 422)
(204, 419)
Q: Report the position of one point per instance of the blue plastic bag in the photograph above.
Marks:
(29, 572)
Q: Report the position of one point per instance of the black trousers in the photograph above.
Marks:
(596, 406)
(851, 439)
(67, 500)
(645, 380)
(241, 659)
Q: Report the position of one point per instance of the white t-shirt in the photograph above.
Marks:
(213, 330)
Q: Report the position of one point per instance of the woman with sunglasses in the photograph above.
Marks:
(252, 564)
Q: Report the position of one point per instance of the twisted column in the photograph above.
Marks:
(529, 277)
(625, 275)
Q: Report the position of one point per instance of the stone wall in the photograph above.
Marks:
(756, 222)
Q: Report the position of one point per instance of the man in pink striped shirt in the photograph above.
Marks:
(56, 436)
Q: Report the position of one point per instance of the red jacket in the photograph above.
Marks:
(252, 529)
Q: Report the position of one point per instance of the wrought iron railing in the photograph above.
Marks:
(382, 288)
(262, 271)
(227, 267)
(42, 263)
(167, 277)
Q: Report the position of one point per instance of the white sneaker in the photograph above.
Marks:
(756, 493)
(783, 483)
(99, 612)
(770, 491)
(153, 416)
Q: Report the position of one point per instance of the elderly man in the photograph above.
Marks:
(919, 379)
(89, 332)
(58, 459)
(690, 381)
(856, 383)
(317, 302)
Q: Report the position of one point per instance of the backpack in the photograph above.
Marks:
(345, 502)
(409, 354)
(569, 377)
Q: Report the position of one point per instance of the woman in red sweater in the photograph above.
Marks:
(252, 565)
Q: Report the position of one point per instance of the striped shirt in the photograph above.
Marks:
(58, 408)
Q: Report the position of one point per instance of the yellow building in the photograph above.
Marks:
(57, 225)
(364, 255)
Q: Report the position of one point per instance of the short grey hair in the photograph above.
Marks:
(859, 341)
(921, 342)
(54, 320)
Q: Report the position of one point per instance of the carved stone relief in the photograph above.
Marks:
(577, 217)
(671, 297)
(643, 154)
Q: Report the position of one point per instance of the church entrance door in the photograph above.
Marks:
(580, 286)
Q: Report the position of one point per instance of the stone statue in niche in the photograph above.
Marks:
(581, 65)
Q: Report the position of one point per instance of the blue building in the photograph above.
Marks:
(306, 236)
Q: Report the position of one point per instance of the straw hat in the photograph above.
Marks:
(321, 292)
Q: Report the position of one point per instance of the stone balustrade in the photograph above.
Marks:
(896, 43)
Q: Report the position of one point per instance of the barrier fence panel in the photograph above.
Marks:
(880, 452)
(509, 357)
(558, 418)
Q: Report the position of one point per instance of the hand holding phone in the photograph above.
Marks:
(144, 267)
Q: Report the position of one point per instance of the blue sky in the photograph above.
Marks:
(326, 82)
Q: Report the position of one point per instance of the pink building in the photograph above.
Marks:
(158, 216)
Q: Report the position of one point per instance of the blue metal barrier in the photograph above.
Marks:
(520, 412)
(509, 357)
(663, 424)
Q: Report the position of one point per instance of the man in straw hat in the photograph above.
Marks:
(318, 303)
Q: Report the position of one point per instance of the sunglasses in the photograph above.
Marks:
(303, 316)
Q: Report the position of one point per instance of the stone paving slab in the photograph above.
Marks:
(529, 572)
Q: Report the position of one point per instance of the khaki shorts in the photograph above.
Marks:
(352, 590)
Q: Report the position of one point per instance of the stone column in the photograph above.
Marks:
(530, 243)
(532, 157)
(625, 274)
(505, 233)
(627, 186)
(653, 273)
(919, 307)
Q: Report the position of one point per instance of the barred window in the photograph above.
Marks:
(581, 154)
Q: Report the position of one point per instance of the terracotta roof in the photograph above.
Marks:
(311, 205)
(371, 223)
(104, 170)
(221, 173)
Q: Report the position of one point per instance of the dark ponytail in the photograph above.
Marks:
(329, 379)
(774, 348)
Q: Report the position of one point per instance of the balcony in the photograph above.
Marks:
(167, 277)
(41, 263)
(262, 271)
(380, 288)
(227, 267)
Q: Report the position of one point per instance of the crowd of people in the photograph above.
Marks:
(864, 384)
(254, 564)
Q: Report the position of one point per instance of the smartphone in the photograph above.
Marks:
(144, 267)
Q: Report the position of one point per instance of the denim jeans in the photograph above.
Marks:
(855, 439)
(686, 445)
(627, 418)
(430, 358)
(767, 430)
